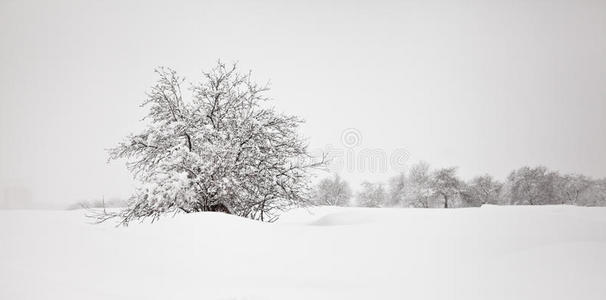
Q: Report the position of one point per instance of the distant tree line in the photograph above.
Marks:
(426, 188)
(99, 203)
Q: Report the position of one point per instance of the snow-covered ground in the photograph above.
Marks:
(323, 253)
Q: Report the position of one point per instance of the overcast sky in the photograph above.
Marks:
(488, 86)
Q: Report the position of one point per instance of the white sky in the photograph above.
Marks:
(488, 86)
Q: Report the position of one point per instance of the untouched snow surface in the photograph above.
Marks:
(549, 252)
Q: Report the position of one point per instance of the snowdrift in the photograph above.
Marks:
(548, 252)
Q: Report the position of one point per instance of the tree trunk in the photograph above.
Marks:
(445, 201)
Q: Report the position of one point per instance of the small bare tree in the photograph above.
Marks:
(332, 191)
(483, 190)
(446, 185)
(419, 192)
(221, 150)
(371, 195)
(572, 188)
(398, 186)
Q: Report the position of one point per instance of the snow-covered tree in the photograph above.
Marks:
(572, 188)
(223, 148)
(446, 185)
(419, 192)
(332, 191)
(371, 195)
(594, 195)
(532, 186)
(482, 190)
(397, 187)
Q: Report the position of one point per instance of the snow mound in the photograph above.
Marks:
(346, 218)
